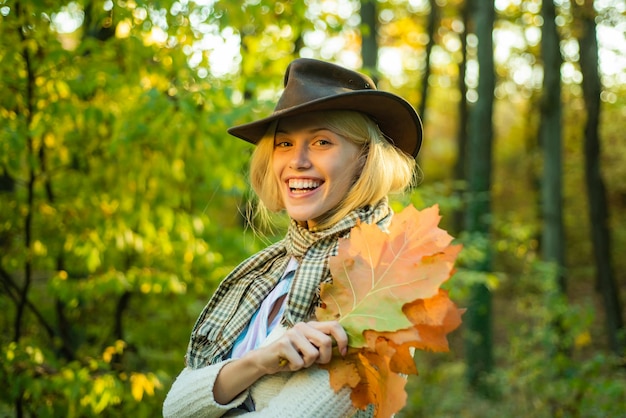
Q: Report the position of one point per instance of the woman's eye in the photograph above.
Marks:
(281, 144)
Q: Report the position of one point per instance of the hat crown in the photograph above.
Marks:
(312, 85)
(307, 80)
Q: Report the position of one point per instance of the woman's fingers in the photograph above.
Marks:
(303, 345)
(314, 341)
(296, 347)
(336, 331)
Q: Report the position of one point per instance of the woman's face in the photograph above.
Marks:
(314, 166)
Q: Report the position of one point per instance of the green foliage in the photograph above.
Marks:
(533, 378)
(119, 211)
(88, 388)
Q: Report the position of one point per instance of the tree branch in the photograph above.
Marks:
(14, 292)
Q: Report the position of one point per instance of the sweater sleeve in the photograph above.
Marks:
(191, 394)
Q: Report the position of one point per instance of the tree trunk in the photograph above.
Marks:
(460, 175)
(433, 19)
(596, 192)
(478, 341)
(550, 139)
(369, 39)
(28, 111)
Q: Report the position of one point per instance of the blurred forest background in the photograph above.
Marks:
(122, 197)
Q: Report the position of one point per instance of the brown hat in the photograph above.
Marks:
(312, 85)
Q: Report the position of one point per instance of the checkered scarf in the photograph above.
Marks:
(240, 294)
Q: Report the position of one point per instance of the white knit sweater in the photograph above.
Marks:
(306, 393)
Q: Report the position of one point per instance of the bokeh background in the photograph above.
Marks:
(124, 202)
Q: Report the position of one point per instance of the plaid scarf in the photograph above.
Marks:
(240, 294)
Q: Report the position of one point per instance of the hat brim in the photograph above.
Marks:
(395, 117)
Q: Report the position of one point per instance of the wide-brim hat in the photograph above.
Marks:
(313, 85)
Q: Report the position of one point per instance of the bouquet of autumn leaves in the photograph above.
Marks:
(386, 294)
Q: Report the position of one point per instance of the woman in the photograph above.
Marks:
(329, 155)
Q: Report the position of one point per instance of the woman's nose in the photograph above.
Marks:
(300, 158)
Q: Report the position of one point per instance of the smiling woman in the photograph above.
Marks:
(329, 155)
(314, 167)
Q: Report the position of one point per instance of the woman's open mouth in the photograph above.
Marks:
(303, 185)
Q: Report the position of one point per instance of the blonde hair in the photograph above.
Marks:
(385, 169)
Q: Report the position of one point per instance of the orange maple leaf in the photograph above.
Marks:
(372, 378)
(386, 294)
(376, 273)
(433, 319)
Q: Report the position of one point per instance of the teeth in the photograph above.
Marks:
(303, 184)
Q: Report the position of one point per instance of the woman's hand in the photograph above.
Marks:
(301, 346)
(305, 344)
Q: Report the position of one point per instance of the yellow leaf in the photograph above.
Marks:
(137, 381)
(140, 384)
(583, 339)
